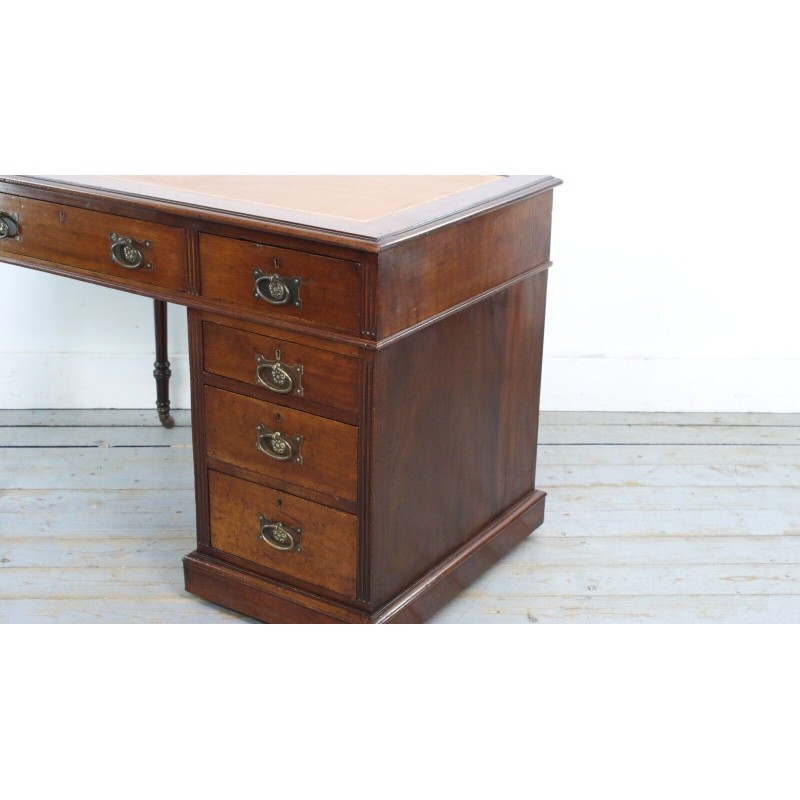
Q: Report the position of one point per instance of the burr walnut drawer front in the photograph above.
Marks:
(281, 368)
(119, 247)
(295, 538)
(281, 283)
(282, 443)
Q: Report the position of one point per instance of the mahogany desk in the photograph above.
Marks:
(366, 362)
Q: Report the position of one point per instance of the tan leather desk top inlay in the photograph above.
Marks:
(360, 198)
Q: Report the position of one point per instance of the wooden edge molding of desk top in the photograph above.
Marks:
(412, 249)
(365, 212)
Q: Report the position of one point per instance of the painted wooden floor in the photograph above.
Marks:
(650, 518)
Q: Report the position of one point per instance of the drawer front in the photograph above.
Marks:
(79, 238)
(280, 368)
(294, 537)
(280, 283)
(324, 461)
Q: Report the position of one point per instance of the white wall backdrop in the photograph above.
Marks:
(676, 286)
(67, 344)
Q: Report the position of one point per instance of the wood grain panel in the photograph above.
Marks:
(79, 238)
(270, 601)
(328, 379)
(330, 290)
(449, 579)
(332, 342)
(455, 428)
(426, 275)
(328, 540)
(329, 448)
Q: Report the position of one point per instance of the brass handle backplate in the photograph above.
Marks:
(130, 254)
(277, 290)
(9, 226)
(279, 535)
(278, 377)
(278, 445)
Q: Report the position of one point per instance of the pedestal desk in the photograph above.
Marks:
(366, 361)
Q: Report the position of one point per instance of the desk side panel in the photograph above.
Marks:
(456, 416)
(429, 274)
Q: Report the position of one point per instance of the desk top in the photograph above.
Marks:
(376, 209)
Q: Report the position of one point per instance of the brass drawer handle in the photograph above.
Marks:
(9, 226)
(279, 377)
(277, 445)
(128, 253)
(277, 290)
(279, 535)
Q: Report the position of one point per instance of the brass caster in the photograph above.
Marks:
(166, 419)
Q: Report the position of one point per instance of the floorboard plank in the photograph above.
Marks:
(89, 417)
(77, 583)
(647, 550)
(585, 520)
(680, 499)
(665, 455)
(666, 475)
(670, 434)
(93, 552)
(78, 436)
(182, 610)
(67, 513)
(629, 609)
(512, 578)
(157, 468)
(681, 418)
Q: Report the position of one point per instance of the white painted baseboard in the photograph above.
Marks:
(36, 380)
(70, 380)
(671, 384)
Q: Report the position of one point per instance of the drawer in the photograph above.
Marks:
(296, 538)
(77, 237)
(280, 283)
(281, 368)
(262, 437)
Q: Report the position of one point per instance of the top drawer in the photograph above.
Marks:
(121, 247)
(281, 283)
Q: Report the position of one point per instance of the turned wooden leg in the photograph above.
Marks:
(162, 372)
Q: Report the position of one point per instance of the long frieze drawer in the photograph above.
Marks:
(296, 538)
(281, 368)
(120, 247)
(281, 283)
(282, 443)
